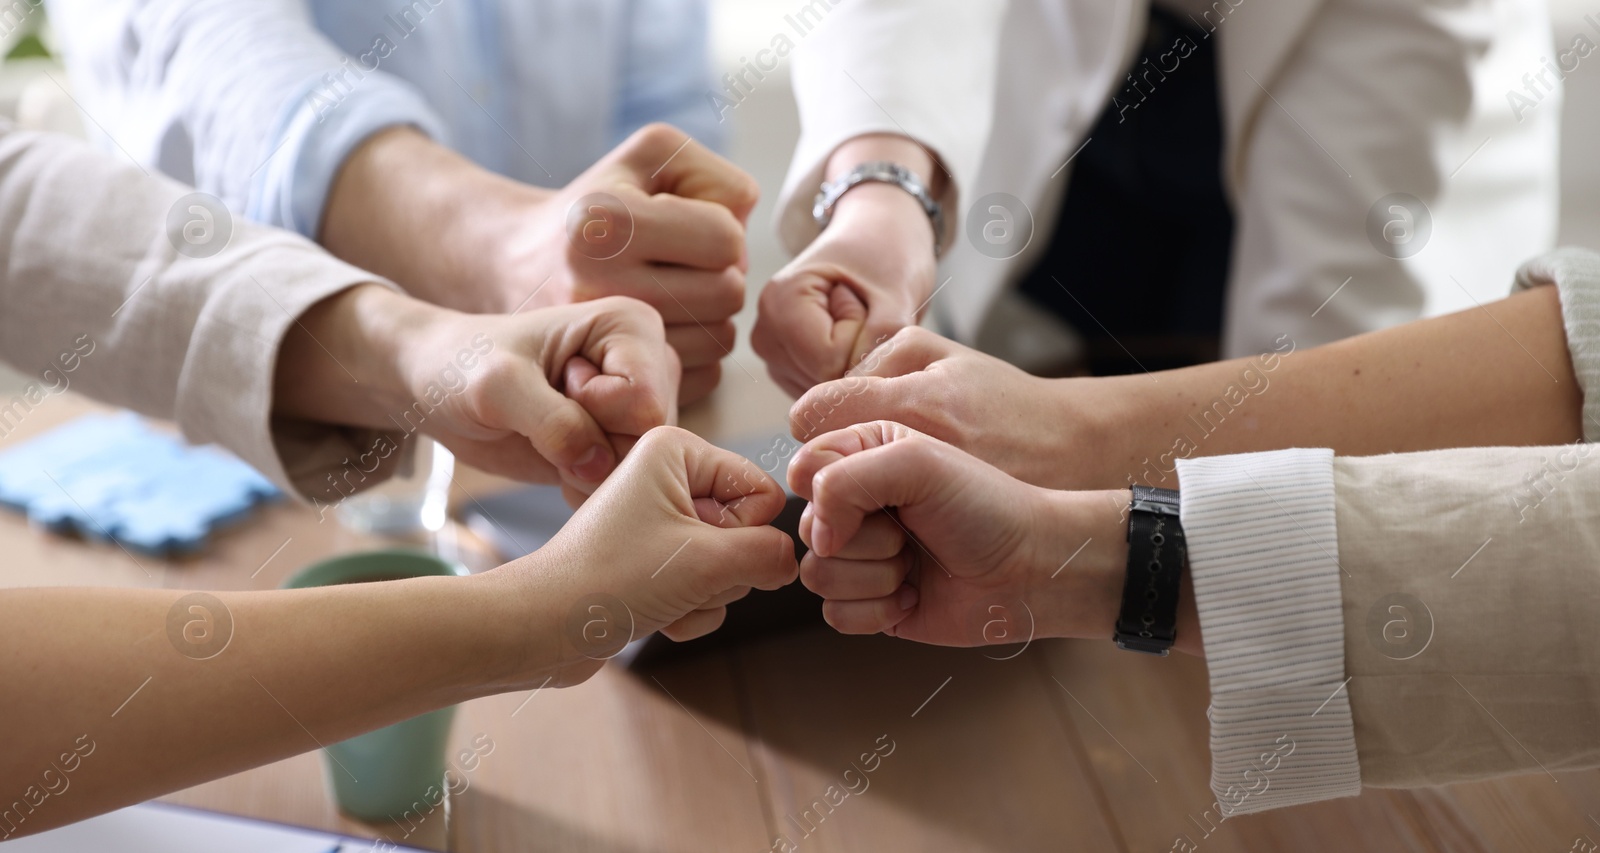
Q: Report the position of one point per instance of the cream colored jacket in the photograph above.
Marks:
(1404, 620)
(96, 297)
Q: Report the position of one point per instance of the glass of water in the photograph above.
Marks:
(413, 505)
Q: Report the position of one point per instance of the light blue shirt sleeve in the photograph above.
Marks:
(259, 102)
(667, 71)
(246, 99)
(317, 131)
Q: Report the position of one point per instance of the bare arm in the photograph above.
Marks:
(1497, 375)
(660, 219)
(108, 676)
(303, 668)
(1491, 376)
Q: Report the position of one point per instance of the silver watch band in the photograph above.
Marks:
(880, 171)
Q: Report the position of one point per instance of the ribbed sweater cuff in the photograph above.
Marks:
(1264, 561)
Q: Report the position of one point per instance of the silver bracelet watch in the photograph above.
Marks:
(880, 171)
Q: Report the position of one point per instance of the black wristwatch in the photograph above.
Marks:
(1157, 554)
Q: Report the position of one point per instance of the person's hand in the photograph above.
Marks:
(869, 274)
(557, 394)
(679, 531)
(1038, 430)
(914, 538)
(554, 395)
(660, 219)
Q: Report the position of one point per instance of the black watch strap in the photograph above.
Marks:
(1157, 553)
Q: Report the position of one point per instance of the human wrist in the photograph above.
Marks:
(886, 216)
(340, 362)
(881, 234)
(1075, 436)
(1082, 596)
(519, 635)
(561, 620)
(1080, 562)
(873, 206)
(489, 220)
(1124, 419)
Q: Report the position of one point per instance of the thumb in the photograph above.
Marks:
(561, 431)
(728, 490)
(762, 557)
(846, 305)
(851, 316)
(618, 404)
(622, 371)
(885, 317)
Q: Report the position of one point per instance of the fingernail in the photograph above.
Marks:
(593, 466)
(821, 538)
(908, 597)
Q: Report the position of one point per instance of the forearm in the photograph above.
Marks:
(402, 206)
(1499, 375)
(300, 669)
(342, 362)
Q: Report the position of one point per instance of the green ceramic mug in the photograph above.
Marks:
(386, 773)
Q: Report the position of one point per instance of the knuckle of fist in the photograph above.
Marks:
(726, 334)
(727, 243)
(746, 192)
(772, 298)
(633, 310)
(813, 574)
(934, 401)
(728, 295)
(912, 337)
(920, 450)
(584, 285)
(825, 485)
(656, 136)
(496, 377)
(662, 439)
(784, 569)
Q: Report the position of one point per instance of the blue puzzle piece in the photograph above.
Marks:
(114, 477)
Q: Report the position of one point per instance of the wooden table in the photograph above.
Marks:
(1066, 746)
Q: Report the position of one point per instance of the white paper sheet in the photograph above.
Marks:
(161, 828)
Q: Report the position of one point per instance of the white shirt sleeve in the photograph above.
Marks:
(1264, 561)
(916, 68)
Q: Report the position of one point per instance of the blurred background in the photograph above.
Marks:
(34, 92)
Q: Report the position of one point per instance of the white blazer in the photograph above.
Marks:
(1330, 107)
